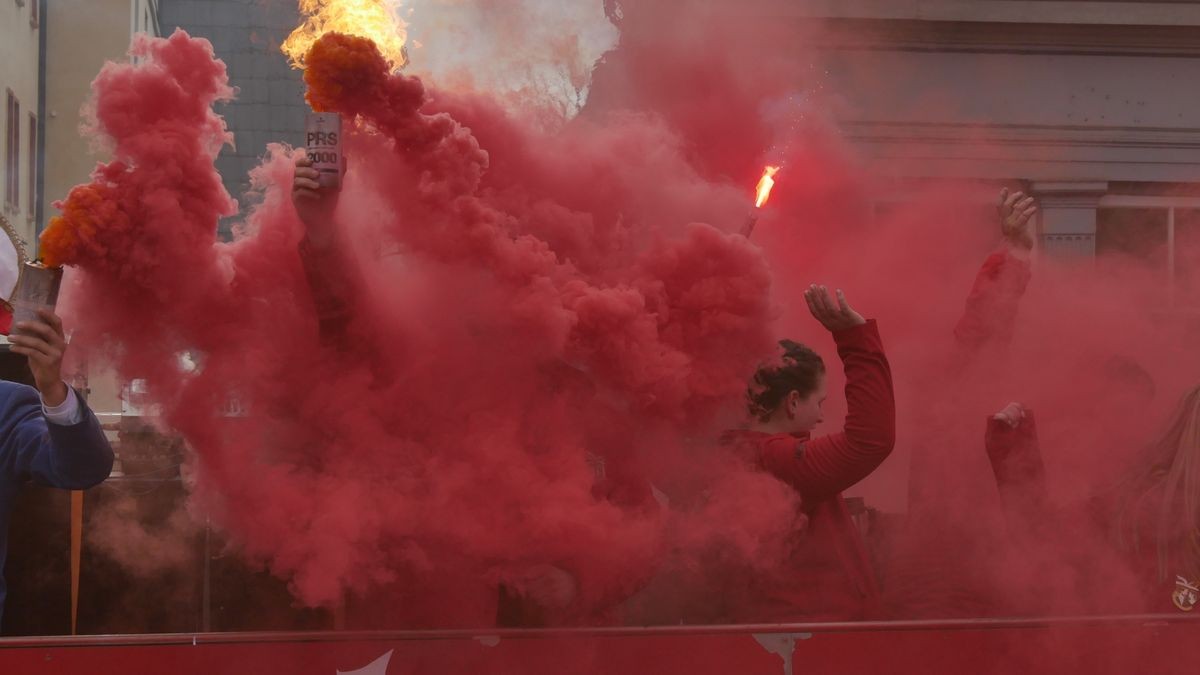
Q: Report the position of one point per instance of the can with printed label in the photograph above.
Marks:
(323, 142)
(37, 287)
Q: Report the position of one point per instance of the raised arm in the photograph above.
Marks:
(1011, 442)
(823, 467)
(991, 308)
(327, 268)
(48, 434)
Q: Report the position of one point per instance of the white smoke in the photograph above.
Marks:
(532, 54)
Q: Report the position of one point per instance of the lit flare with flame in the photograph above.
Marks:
(376, 20)
(763, 191)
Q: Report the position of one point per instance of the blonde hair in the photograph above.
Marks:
(1170, 473)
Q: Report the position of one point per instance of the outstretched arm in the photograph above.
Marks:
(824, 466)
(991, 309)
(1011, 442)
(327, 268)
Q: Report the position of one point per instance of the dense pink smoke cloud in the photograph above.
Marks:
(531, 297)
(909, 261)
(518, 313)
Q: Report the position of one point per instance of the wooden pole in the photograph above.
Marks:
(76, 554)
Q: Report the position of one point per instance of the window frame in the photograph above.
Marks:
(1168, 204)
(32, 162)
(12, 153)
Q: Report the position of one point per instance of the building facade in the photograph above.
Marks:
(20, 33)
(1089, 105)
(81, 35)
(270, 106)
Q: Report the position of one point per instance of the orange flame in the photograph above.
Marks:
(375, 20)
(763, 191)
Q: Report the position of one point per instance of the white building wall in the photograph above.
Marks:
(19, 75)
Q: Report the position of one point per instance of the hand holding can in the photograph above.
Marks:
(37, 331)
(323, 145)
(317, 181)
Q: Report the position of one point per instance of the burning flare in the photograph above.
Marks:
(375, 20)
(763, 191)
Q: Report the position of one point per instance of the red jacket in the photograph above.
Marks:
(925, 573)
(1119, 579)
(830, 577)
(990, 314)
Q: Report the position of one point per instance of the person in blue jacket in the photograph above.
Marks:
(47, 435)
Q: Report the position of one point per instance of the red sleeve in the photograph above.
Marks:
(823, 467)
(991, 310)
(332, 287)
(1016, 460)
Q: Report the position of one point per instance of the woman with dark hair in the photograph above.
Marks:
(829, 576)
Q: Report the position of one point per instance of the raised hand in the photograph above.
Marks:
(313, 203)
(1015, 210)
(44, 343)
(1012, 414)
(834, 315)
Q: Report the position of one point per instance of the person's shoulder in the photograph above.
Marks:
(740, 436)
(747, 437)
(13, 392)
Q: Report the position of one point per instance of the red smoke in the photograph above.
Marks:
(507, 329)
(531, 297)
(910, 263)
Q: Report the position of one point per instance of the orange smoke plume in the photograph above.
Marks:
(85, 210)
(341, 69)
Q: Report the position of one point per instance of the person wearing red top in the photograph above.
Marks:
(990, 314)
(1150, 519)
(829, 576)
(929, 570)
(1144, 524)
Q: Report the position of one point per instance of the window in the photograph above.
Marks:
(1133, 235)
(12, 154)
(31, 207)
(1162, 241)
(1185, 245)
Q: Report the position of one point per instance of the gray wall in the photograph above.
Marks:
(270, 107)
(1088, 112)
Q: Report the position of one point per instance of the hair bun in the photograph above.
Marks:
(793, 351)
